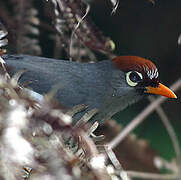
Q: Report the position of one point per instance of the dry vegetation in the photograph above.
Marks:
(38, 139)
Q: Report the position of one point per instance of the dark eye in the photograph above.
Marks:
(133, 77)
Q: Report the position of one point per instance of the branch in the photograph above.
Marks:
(170, 131)
(143, 175)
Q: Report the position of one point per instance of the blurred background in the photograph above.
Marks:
(151, 31)
(145, 28)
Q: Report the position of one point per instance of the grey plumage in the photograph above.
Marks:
(98, 85)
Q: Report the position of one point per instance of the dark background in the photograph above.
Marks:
(151, 31)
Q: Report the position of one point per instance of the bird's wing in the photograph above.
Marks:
(44, 73)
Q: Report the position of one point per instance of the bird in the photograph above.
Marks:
(108, 85)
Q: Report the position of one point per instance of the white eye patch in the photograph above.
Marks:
(133, 77)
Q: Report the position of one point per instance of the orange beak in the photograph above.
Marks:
(161, 90)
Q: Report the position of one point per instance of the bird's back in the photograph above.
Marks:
(79, 83)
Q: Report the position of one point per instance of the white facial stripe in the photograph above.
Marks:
(153, 73)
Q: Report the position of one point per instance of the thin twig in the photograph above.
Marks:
(161, 163)
(143, 175)
(115, 4)
(76, 27)
(170, 131)
(138, 119)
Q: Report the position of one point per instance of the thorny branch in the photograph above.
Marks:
(44, 139)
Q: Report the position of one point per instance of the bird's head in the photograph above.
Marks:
(141, 75)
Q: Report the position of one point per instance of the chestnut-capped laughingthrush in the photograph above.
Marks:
(109, 85)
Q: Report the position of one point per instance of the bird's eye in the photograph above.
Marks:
(133, 77)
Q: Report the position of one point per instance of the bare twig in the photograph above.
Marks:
(76, 15)
(113, 159)
(76, 27)
(170, 131)
(161, 163)
(138, 119)
(115, 4)
(143, 175)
